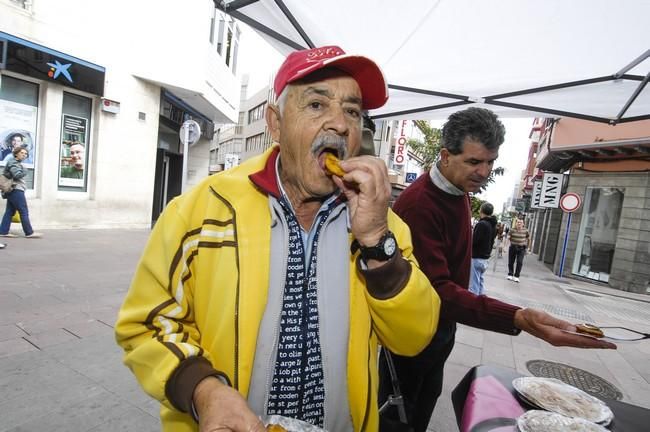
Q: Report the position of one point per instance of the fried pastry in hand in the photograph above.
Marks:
(332, 165)
(590, 329)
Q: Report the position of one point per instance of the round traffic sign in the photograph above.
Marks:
(190, 132)
(570, 202)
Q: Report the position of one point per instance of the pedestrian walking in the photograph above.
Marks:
(500, 239)
(482, 244)
(519, 244)
(16, 201)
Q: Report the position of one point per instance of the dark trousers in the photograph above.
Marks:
(420, 380)
(518, 253)
(16, 202)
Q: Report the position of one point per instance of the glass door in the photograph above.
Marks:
(598, 230)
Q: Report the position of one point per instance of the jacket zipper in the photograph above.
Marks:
(366, 415)
(272, 358)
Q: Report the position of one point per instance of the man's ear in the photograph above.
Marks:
(273, 121)
(444, 156)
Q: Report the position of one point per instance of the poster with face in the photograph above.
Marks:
(72, 165)
(17, 129)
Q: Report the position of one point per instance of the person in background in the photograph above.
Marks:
(267, 288)
(16, 201)
(78, 160)
(482, 243)
(437, 209)
(500, 239)
(519, 244)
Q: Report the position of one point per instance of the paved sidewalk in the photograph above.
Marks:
(61, 371)
(627, 368)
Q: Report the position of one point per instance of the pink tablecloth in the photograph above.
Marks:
(488, 399)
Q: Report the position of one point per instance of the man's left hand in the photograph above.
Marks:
(554, 330)
(368, 191)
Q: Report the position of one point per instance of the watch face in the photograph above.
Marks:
(390, 246)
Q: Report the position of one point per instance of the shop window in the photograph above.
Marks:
(598, 230)
(18, 115)
(75, 145)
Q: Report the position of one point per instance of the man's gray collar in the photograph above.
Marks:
(441, 182)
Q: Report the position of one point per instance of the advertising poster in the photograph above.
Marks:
(17, 128)
(72, 166)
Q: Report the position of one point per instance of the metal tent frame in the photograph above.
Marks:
(237, 9)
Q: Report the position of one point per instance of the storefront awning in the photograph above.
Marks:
(38, 61)
(563, 158)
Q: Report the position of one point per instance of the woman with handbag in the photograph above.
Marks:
(16, 201)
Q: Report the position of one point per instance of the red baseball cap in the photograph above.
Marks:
(365, 72)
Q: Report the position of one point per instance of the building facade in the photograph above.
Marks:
(89, 78)
(246, 138)
(608, 236)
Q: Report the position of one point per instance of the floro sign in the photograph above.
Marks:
(551, 190)
(537, 194)
(399, 158)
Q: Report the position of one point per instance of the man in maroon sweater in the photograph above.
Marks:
(437, 209)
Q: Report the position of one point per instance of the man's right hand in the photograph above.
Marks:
(222, 408)
(554, 331)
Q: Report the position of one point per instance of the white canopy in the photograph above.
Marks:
(587, 59)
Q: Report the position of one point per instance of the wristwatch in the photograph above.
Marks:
(382, 251)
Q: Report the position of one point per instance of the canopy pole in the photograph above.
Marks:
(635, 62)
(294, 22)
(558, 113)
(632, 98)
(427, 92)
(419, 110)
(231, 10)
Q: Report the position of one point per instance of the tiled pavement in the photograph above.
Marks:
(627, 368)
(61, 371)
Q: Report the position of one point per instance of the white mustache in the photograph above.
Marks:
(336, 142)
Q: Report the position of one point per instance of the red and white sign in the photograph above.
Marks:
(399, 157)
(570, 202)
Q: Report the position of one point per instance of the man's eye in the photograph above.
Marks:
(315, 105)
(354, 113)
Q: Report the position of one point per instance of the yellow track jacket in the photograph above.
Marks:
(200, 291)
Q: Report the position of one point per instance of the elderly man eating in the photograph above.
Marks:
(267, 288)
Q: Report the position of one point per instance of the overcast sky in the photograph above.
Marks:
(513, 156)
(258, 59)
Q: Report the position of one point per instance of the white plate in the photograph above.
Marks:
(545, 421)
(556, 396)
